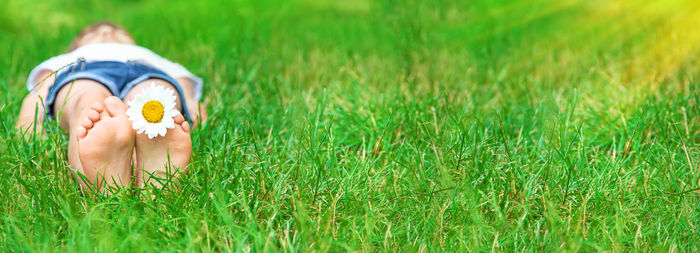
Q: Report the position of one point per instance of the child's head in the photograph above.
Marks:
(103, 31)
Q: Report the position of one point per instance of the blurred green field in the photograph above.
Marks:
(444, 125)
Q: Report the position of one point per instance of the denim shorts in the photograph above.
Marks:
(118, 77)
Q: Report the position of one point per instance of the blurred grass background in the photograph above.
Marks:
(386, 125)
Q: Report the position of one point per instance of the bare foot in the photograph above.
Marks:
(163, 156)
(105, 143)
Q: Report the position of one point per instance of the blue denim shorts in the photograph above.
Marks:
(118, 77)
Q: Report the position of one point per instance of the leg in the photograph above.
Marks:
(32, 108)
(33, 104)
(99, 132)
(162, 155)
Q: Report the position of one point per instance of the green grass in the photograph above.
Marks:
(385, 125)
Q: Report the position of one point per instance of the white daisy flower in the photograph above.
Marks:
(152, 111)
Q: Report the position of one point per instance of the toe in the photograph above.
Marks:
(97, 107)
(93, 115)
(179, 119)
(115, 106)
(82, 132)
(186, 127)
(87, 124)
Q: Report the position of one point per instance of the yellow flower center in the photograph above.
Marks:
(153, 111)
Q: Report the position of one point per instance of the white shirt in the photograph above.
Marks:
(116, 52)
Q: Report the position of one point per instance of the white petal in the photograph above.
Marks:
(139, 124)
(133, 114)
(168, 123)
(169, 104)
(151, 132)
(171, 113)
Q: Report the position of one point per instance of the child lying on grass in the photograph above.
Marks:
(103, 88)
